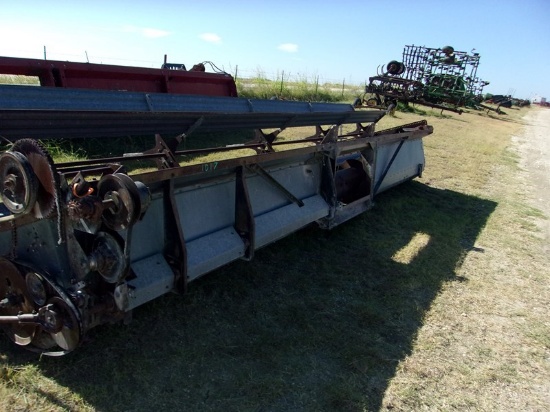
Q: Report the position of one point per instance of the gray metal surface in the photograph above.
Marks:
(50, 113)
(54, 125)
(207, 214)
(153, 278)
(80, 100)
(409, 163)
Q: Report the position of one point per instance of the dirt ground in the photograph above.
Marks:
(534, 149)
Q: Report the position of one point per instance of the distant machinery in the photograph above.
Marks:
(441, 78)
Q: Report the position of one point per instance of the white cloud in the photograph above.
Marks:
(146, 31)
(288, 47)
(211, 38)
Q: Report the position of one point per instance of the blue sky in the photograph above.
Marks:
(333, 40)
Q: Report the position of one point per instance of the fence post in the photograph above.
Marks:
(282, 79)
(236, 71)
(316, 87)
(343, 85)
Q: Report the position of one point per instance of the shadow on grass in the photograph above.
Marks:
(112, 147)
(318, 321)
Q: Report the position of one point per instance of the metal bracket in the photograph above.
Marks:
(190, 130)
(149, 102)
(262, 173)
(244, 217)
(331, 135)
(175, 251)
(364, 131)
(266, 139)
(168, 160)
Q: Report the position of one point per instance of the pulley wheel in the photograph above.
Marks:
(122, 198)
(19, 183)
(107, 258)
(43, 168)
(68, 337)
(36, 288)
(43, 340)
(15, 300)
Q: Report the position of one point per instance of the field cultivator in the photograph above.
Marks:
(438, 78)
(83, 243)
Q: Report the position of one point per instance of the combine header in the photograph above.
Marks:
(83, 243)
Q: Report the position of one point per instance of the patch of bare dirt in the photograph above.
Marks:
(534, 149)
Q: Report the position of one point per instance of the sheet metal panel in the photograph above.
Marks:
(408, 163)
(153, 278)
(52, 125)
(44, 98)
(213, 251)
(206, 208)
(148, 234)
(287, 219)
(46, 113)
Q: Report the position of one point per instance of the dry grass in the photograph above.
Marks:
(18, 80)
(485, 341)
(437, 299)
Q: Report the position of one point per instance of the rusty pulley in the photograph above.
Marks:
(27, 176)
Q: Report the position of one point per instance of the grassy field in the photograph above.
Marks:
(437, 299)
(305, 89)
(262, 87)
